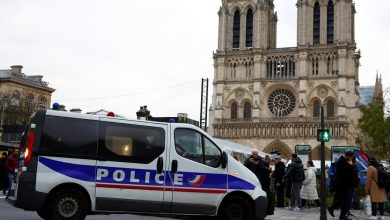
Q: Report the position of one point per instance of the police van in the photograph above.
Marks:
(77, 164)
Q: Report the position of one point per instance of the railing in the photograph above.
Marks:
(280, 120)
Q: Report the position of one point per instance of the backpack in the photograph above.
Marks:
(383, 178)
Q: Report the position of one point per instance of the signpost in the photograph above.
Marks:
(323, 136)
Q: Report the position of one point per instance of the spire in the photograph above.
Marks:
(378, 91)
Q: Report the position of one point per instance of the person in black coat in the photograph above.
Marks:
(255, 164)
(296, 173)
(279, 173)
(346, 180)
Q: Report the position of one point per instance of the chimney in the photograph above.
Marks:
(17, 69)
(37, 78)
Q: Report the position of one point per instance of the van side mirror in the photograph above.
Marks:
(224, 160)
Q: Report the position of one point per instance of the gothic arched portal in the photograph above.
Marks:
(283, 148)
(316, 153)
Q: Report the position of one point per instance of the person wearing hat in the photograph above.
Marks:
(278, 176)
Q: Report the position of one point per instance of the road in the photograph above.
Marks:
(7, 211)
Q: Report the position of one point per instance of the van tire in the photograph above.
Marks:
(66, 204)
(236, 208)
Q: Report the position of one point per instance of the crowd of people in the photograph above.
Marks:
(8, 164)
(298, 183)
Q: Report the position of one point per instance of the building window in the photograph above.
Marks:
(281, 102)
(249, 28)
(247, 110)
(15, 98)
(316, 108)
(330, 109)
(316, 23)
(30, 101)
(233, 111)
(42, 102)
(236, 30)
(330, 23)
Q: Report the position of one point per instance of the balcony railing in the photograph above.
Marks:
(281, 120)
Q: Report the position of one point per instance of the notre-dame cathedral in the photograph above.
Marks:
(268, 97)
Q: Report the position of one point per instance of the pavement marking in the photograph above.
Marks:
(2, 197)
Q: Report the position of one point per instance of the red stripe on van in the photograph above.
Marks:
(161, 188)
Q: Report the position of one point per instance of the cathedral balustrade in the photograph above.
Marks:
(282, 130)
(282, 120)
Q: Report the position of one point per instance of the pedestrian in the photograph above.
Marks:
(10, 165)
(278, 174)
(344, 184)
(3, 173)
(267, 173)
(309, 186)
(331, 175)
(296, 174)
(377, 194)
(255, 164)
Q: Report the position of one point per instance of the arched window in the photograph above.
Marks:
(316, 108)
(30, 101)
(233, 111)
(15, 98)
(330, 109)
(236, 30)
(316, 23)
(42, 102)
(330, 22)
(247, 110)
(249, 28)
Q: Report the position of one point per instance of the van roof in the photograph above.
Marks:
(98, 117)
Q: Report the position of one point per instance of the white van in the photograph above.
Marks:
(79, 164)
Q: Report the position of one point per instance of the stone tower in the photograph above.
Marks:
(269, 97)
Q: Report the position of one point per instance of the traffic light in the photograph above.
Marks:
(323, 135)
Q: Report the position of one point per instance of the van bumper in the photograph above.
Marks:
(27, 197)
(261, 204)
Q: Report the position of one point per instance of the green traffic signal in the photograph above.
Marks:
(323, 135)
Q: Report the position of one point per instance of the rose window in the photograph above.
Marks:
(281, 102)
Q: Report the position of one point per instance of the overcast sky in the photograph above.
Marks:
(120, 54)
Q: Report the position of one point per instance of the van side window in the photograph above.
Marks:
(196, 147)
(130, 143)
(73, 137)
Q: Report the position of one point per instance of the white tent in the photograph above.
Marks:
(231, 147)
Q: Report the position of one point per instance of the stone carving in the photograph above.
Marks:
(264, 84)
(310, 84)
(250, 87)
(333, 84)
(227, 89)
(322, 92)
(296, 83)
(239, 94)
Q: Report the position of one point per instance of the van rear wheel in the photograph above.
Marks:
(67, 204)
(236, 208)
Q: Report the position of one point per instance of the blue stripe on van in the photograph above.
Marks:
(189, 179)
(75, 171)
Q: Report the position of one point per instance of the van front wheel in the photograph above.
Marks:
(68, 204)
(236, 208)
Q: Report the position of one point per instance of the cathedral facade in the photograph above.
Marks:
(271, 98)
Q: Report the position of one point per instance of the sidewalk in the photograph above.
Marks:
(312, 214)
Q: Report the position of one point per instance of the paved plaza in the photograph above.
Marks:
(310, 214)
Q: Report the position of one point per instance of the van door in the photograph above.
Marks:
(130, 172)
(197, 180)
